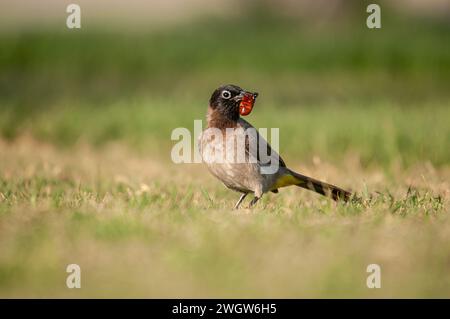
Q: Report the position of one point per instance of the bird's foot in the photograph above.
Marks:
(240, 201)
(253, 202)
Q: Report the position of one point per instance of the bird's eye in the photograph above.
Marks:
(226, 94)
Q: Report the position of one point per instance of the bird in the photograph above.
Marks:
(219, 149)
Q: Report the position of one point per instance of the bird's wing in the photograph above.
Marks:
(269, 156)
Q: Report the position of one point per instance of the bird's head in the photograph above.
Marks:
(232, 101)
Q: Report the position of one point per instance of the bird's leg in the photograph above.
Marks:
(254, 200)
(240, 200)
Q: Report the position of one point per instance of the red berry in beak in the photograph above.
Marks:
(246, 105)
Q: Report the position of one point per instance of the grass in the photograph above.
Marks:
(140, 227)
(86, 175)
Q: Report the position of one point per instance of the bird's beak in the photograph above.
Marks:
(242, 94)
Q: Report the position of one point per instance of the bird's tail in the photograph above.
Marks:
(320, 187)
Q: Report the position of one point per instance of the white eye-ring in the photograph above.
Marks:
(226, 94)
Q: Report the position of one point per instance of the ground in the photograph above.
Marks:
(144, 227)
(86, 176)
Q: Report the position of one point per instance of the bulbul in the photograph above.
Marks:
(259, 168)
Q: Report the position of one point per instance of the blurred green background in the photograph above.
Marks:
(86, 176)
(332, 85)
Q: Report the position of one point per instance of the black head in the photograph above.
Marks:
(226, 100)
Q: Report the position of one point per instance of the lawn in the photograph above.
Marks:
(86, 176)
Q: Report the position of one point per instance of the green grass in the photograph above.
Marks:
(379, 133)
(86, 175)
(173, 240)
(332, 90)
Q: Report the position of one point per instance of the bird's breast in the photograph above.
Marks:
(225, 153)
